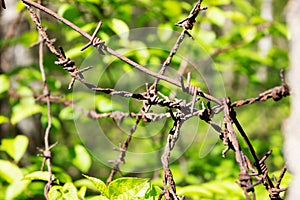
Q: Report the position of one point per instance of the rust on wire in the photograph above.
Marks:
(275, 93)
(95, 41)
(188, 23)
(179, 110)
(114, 53)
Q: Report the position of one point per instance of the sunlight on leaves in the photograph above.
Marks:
(9, 171)
(15, 147)
(82, 159)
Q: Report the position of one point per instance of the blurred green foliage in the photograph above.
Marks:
(229, 31)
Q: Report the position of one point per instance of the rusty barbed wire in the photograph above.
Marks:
(65, 62)
(152, 95)
(114, 53)
(184, 110)
(245, 180)
(188, 23)
(46, 153)
(170, 192)
(275, 93)
(262, 173)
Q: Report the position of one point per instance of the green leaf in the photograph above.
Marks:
(216, 16)
(62, 176)
(248, 33)
(75, 50)
(194, 191)
(236, 16)
(97, 198)
(72, 35)
(140, 51)
(100, 185)
(15, 147)
(82, 191)
(66, 113)
(154, 191)
(278, 28)
(24, 110)
(56, 123)
(66, 192)
(85, 183)
(82, 159)
(3, 119)
(136, 187)
(90, 1)
(219, 2)
(244, 6)
(93, 8)
(213, 190)
(120, 28)
(103, 104)
(26, 38)
(15, 189)
(55, 193)
(68, 11)
(9, 171)
(69, 191)
(25, 77)
(4, 83)
(38, 175)
(175, 6)
(20, 6)
(206, 37)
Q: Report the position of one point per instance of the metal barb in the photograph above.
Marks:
(95, 41)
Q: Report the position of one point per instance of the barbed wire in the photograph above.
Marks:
(184, 111)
